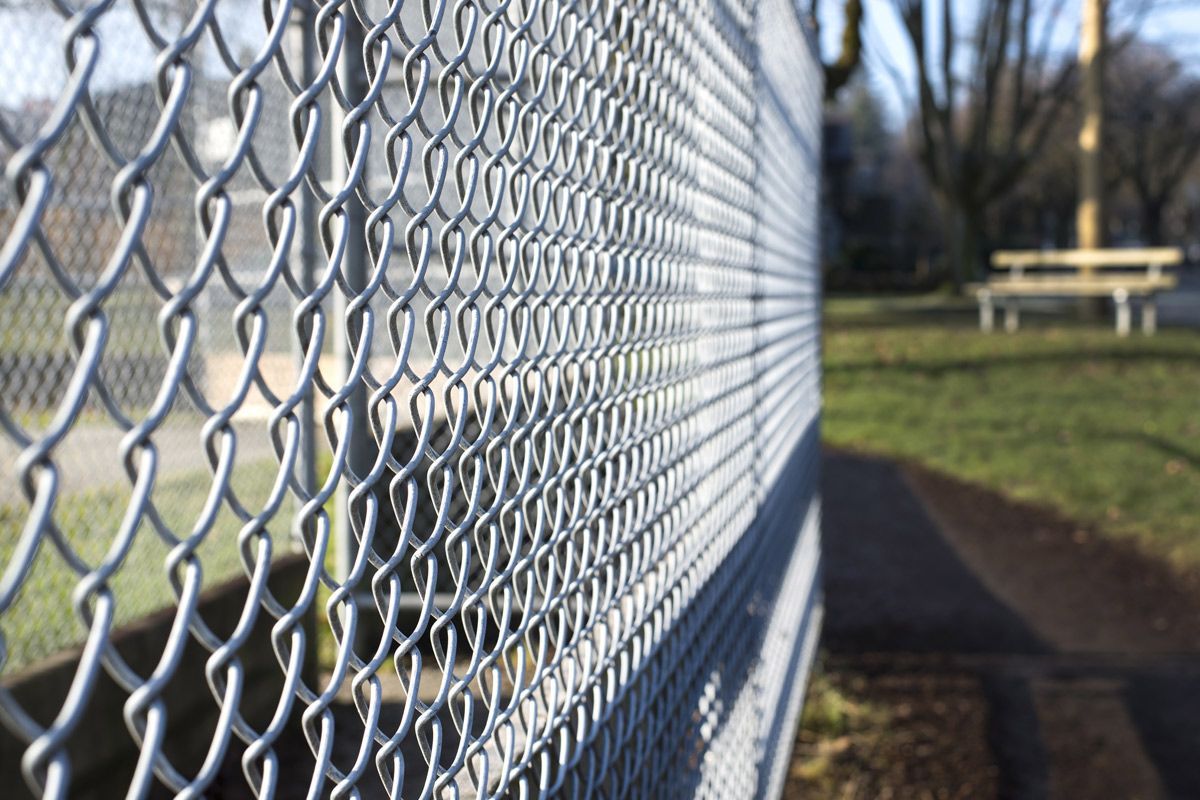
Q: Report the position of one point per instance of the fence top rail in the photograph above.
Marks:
(1111, 257)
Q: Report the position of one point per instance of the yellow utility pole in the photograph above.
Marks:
(1089, 215)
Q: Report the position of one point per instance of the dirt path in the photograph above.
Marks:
(947, 605)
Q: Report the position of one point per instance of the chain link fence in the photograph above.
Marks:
(501, 319)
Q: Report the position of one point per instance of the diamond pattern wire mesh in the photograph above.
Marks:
(500, 319)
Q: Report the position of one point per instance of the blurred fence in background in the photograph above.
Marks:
(504, 315)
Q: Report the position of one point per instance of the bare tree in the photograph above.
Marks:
(991, 87)
(1153, 128)
(839, 71)
(987, 101)
(1040, 209)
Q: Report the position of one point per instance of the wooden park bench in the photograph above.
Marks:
(1116, 273)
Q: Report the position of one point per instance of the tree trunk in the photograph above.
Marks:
(963, 226)
(1152, 222)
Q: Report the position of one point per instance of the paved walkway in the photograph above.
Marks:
(89, 457)
(1181, 306)
(1086, 653)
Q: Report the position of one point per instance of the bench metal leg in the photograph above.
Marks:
(1012, 315)
(1121, 299)
(987, 312)
(1149, 315)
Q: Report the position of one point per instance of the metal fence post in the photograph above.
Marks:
(360, 448)
(303, 44)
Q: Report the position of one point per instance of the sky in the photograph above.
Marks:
(33, 64)
(888, 54)
(31, 47)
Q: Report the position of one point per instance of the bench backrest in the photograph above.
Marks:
(1107, 258)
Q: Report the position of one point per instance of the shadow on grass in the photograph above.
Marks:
(940, 367)
(940, 317)
(849, 314)
(1165, 446)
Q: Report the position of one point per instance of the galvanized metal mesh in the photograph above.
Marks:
(503, 314)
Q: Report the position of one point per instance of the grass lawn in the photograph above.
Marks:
(1102, 429)
(42, 621)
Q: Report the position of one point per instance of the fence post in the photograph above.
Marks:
(303, 44)
(360, 453)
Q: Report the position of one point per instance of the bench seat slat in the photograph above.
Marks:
(1074, 286)
(1074, 289)
(1108, 258)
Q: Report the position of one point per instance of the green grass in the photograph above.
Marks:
(1104, 430)
(43, 621)
(839, 729)
(38, 316)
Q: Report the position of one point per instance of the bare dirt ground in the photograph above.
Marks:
(985, 648)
